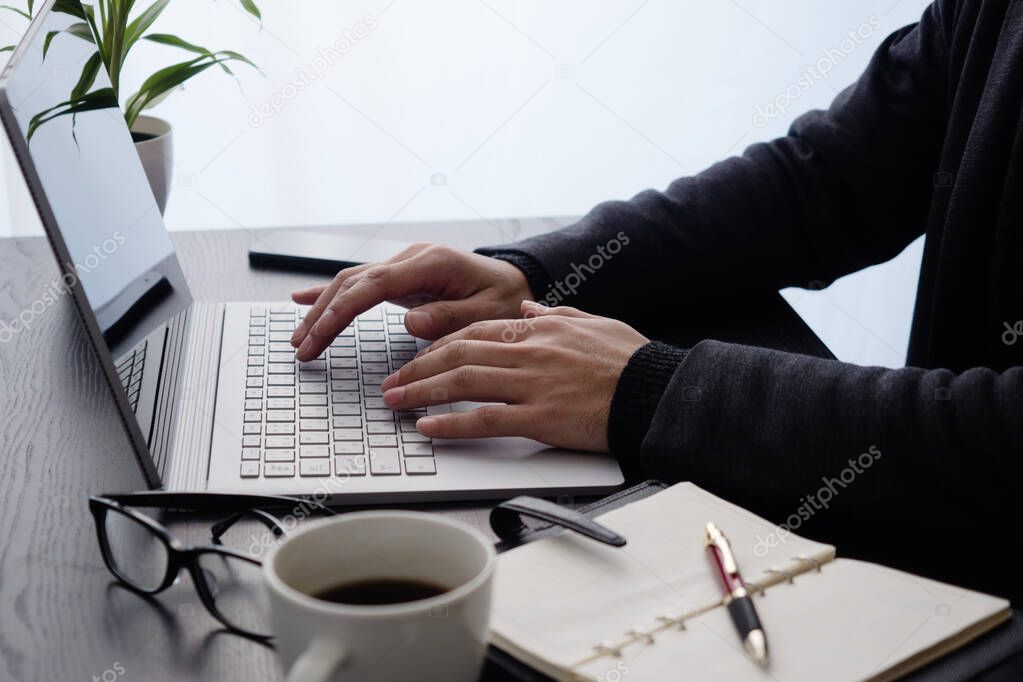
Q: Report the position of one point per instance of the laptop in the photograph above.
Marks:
(210, 394)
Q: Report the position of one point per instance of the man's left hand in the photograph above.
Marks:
(555, 370)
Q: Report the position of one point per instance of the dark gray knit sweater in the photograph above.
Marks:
(921, 463)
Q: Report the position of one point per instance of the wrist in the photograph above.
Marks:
(637, 396)
(534, 277)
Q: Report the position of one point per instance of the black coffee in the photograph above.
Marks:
(380, 591)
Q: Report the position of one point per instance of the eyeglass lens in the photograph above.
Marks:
(139, 556)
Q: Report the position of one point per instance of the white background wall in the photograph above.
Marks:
(496, 108)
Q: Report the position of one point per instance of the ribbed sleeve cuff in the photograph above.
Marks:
(536, 276)
(635, 401)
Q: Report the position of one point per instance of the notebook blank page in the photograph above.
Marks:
(852, 621)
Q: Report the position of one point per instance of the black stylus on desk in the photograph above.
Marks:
(737, 598)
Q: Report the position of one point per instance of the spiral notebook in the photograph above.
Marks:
(576, 609)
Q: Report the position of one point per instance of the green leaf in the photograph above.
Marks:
(72, 7)
(174, 41)
(88, 77)
(49, 39)
(17, 10)
(98, 99)
(239, 58)
(141, 24)
(80, 30)
(251, 8)
(162, 81)
(7, 48)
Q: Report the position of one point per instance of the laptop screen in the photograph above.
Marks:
(58, 97)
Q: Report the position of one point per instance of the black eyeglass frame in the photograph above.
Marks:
(184, 557)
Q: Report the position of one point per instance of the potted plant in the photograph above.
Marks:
(115, 27)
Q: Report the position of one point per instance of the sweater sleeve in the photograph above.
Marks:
(766, 429)
(846, 188)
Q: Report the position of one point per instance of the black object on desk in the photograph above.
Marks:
(318, 251)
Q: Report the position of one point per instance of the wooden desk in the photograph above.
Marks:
(61, 615)
(61, 440)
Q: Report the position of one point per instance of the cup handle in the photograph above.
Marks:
(317, 662)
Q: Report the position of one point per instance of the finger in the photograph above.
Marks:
(308, 296)
(414, 300)
(469, 382)
(327, 292)
(484, 353)
(505, 331)
(483, 422)
(323, 299)
(436, 319)
(532, 309)
(379, 283)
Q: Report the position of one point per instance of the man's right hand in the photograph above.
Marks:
(461, 288)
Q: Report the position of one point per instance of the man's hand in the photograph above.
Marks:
(462, 288)
(556, 369)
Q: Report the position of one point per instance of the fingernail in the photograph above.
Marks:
(389, 381)
(298, 334)
(417, 321)
(323, 323)
(394, 396)
(427, 426)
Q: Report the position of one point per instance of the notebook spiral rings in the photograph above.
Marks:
(669, 621)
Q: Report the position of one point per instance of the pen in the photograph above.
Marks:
(737, 598)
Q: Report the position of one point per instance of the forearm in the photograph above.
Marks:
(766, 429)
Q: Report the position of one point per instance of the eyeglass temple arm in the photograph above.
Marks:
(269, 520)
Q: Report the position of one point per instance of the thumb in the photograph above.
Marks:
(532, 309)
(440, 318)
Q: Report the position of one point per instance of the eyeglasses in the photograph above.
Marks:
(145, 557)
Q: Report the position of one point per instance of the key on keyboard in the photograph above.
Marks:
(330, 409)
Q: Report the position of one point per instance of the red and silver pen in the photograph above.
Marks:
(737, 598)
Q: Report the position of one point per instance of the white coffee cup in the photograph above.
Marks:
(439, 638)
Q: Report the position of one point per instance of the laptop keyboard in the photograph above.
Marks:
(326, 417)
(129, 369)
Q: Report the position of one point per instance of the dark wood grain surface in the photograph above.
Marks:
(61, 615)
(61, 618)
